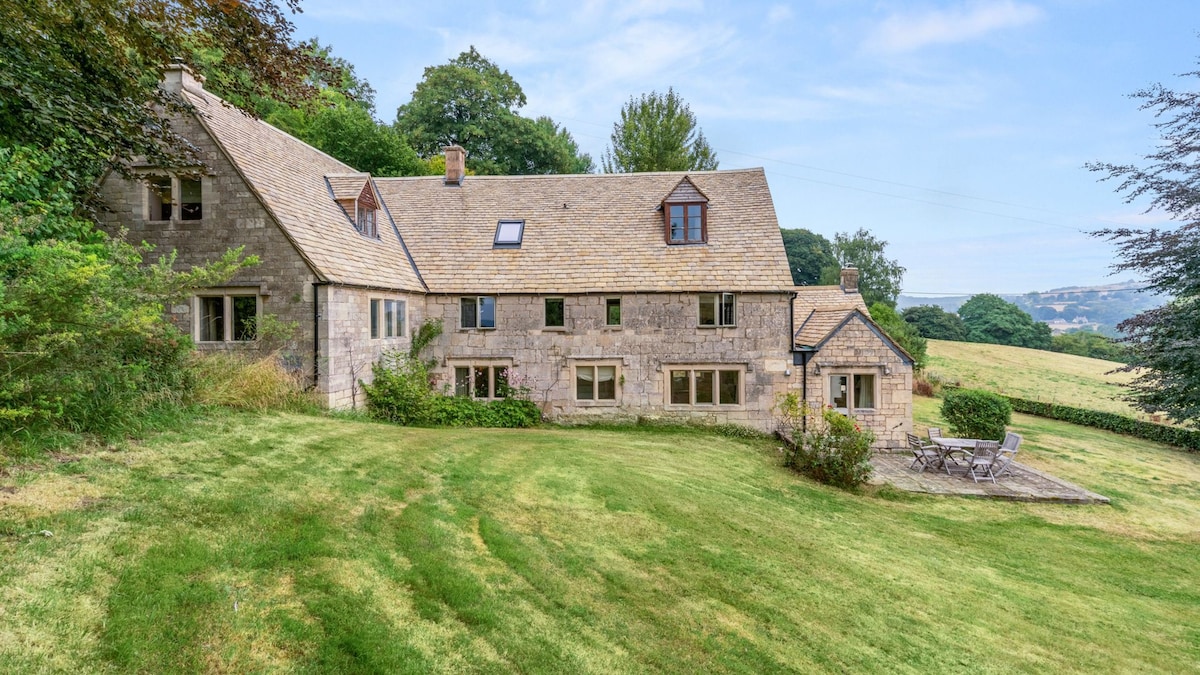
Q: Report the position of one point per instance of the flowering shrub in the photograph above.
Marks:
(835, 450)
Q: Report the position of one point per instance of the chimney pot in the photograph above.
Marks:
(850, 279)
(456, 164)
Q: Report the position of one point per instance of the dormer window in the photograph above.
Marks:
(365, 222)
(685, 214)
(364, 213)
(686, 223)
(509, 234)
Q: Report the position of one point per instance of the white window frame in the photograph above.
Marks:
(724, 309)
(366, 221)
(851, 377)
(380, 327)
(696, 402)
(227, 305)
(594, 367)
(479, 301)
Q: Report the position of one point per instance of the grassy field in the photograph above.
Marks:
(304, 543)
(1033, 374)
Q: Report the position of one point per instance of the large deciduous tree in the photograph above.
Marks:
(658, 132)
(1164, 343)
(993, 320)
(808, 253)
(83, 76)
(935, 323)
(471, 102)
(879, 277)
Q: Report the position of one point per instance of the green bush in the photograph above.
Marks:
(972, 413)
(401, 394)
(835, 451)
(400, 391)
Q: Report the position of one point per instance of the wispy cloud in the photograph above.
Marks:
(779, 13)
(910, 32)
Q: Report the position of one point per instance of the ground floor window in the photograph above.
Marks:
(482, 381)
(596, 382)
(704, 386)
(226, 317)
(852, 391)
(388, 318)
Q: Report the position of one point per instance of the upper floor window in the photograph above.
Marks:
(718, 309)
(612, 311)
(387, 318)
(555, 313)
(163, 192)
(226, 317)
(852, 392)
(365, 219)
(477, 312)
(687, 223)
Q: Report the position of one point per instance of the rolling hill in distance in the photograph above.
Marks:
(1098, 308)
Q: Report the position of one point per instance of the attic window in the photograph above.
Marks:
(509, 233)
(364, 213)
(686, 223)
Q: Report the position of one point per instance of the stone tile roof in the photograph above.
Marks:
(289, 177)
(819, 310)
(347, 185)
(588, 233)
(822, 311)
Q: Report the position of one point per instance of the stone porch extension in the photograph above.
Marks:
(1021, 483)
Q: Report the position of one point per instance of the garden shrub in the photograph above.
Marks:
(972, 413)
(834, 451)
(401, 394)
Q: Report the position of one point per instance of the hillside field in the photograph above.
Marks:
(1033, 374)
(304, 543)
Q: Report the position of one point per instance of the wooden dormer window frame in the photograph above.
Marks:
(680, 222)
(365, 219)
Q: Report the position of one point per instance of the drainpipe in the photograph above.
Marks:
(317, 334)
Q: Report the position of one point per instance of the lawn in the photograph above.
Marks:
(1033, 374)
(303, 543)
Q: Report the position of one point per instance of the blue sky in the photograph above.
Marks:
(954, 130)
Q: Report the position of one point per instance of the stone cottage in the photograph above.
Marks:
(616, 295)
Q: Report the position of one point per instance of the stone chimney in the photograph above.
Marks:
(456, 164)
(850, 279)
(178, 76)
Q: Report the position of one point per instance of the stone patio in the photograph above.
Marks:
(1021, 483)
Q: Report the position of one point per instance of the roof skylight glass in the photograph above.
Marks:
(509, 233)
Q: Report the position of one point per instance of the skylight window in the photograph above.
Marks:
(509, 233)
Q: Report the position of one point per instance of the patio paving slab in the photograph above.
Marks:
(1021, 483)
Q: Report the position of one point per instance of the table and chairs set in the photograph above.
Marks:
(976, 458)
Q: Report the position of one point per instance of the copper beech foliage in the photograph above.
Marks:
(1164, 342)
(84, 74)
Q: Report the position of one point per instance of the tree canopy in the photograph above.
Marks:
(935, 323)
(1164, 343)
(808, 253)
(658, 132)
(993, 320)
(471, 102)
(82, 77)
(902, 332)
(879, 277)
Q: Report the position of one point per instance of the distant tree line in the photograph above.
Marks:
(986, 318)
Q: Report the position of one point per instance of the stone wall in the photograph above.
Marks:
(232, 217)
(346, 346)
(657, 331)
(856, 349)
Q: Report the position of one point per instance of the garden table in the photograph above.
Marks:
(947, 447)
